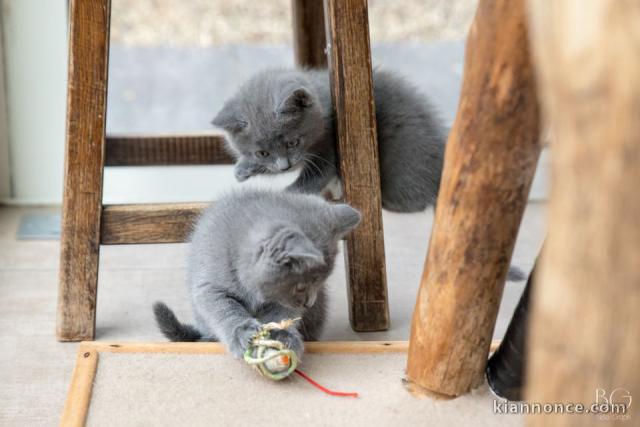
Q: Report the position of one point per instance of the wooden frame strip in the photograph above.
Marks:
(317, 347)
(76, 406)
(78, 400)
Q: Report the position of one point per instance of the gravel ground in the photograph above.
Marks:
(216, 22)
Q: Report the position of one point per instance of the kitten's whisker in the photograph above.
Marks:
(322, 159)
(312, 163)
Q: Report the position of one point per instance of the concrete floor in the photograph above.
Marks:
(35, 369)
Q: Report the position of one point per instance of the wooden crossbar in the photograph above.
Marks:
(148, 223)
(162, 150)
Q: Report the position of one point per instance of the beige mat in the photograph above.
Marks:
(195, 384)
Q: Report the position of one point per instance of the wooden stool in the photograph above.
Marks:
(87, 223)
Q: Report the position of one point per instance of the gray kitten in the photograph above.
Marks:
(283, 119)
(259, 256)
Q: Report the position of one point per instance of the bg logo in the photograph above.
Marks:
(617, 396)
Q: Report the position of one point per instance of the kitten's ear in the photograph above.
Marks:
(346, 219)
(307, 256)
(292, 248)
(228, 120)
(295, 101)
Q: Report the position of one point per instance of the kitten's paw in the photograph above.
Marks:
(244, 171)
(301, 187)
(290, 340)
(242, 337)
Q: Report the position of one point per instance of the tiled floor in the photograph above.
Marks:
(35, 369)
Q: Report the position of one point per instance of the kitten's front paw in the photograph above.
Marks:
(244, 171)
(300, 187)
(290, 340)
(242, 337)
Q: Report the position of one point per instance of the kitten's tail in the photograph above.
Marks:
(171, 327)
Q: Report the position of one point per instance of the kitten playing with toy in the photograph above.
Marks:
(256, 257)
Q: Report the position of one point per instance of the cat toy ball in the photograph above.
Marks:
(274, 361)
(270, 357)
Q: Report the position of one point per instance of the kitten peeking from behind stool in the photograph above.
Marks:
(281, 120)
(259, 256)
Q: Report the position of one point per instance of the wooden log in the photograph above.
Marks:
(309, 39)
(84, 162)
(352, 94)
(148, 223)
(586, 322)
(490, 160)
(163, 150)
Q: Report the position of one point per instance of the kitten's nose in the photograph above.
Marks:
(283, 164)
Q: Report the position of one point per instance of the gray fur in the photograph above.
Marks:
(288, 114)
(259, 256)
(171, 327)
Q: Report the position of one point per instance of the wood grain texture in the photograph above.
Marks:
(309, 39)
(161, 150)
(76, 406)
(149, 223)
(347, 347)
(588, 293)
(490, 160)
(352, 94)
(84, 162)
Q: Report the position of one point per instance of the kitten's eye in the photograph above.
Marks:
(262, 153)
(293, 143)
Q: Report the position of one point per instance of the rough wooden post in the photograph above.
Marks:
(81, 209)
(585, 332)
(309, 39)
(352, 93)
(490, 160)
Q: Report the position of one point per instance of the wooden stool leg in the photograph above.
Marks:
(490, 160)
(81, 208)
(352, 92)
(585, 321)
(309, 38)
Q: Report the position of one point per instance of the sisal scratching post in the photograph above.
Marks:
(585, 316)
(490, 160)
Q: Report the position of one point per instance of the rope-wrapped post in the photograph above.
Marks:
(490, 161)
